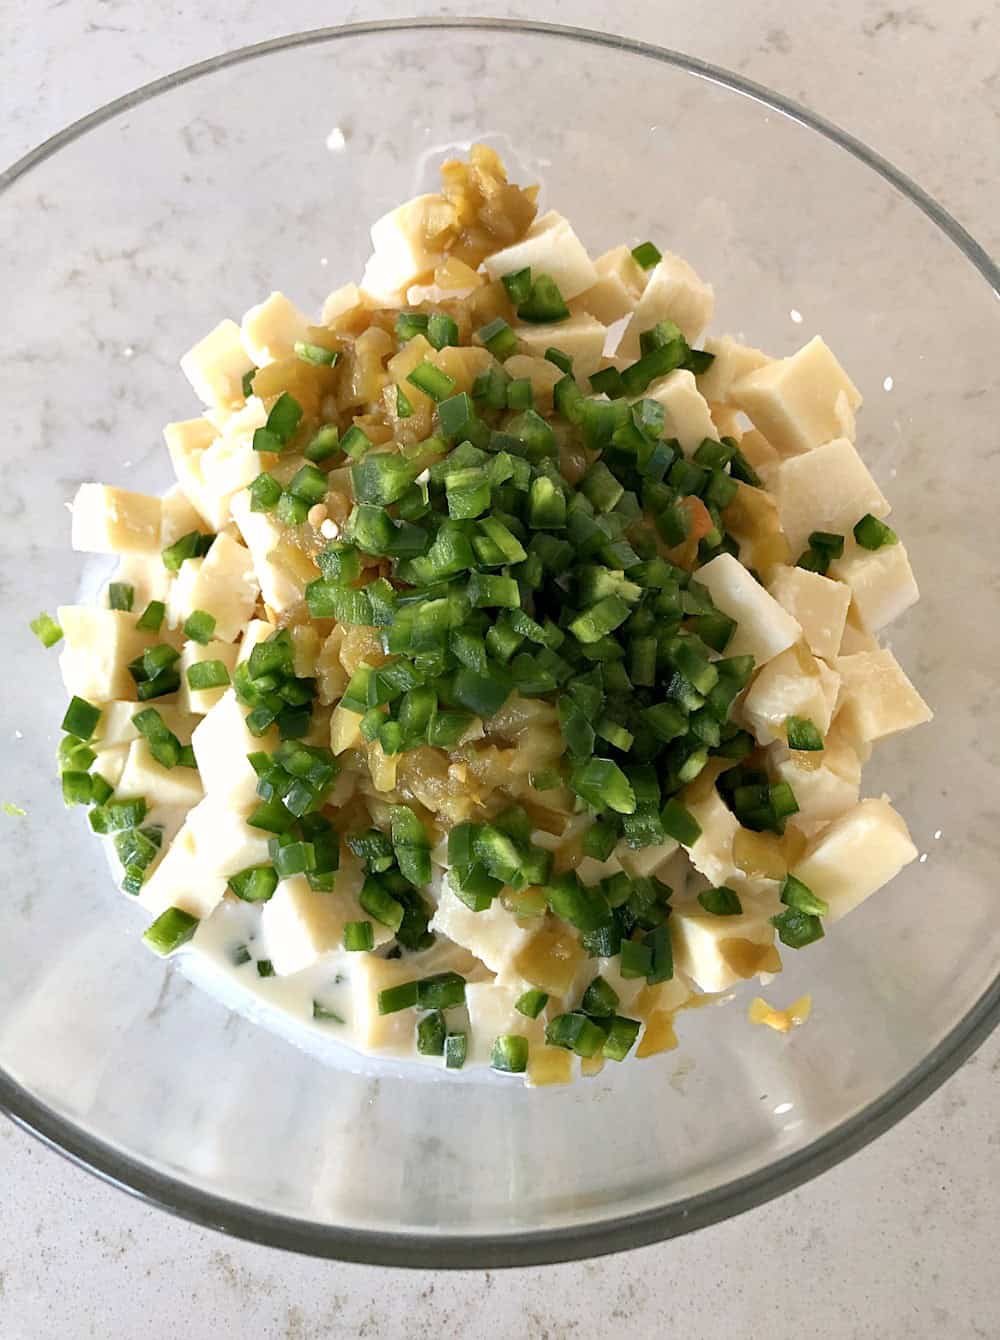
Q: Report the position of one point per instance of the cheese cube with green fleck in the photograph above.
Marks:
(223, 584)
(717, 952)
(581, 337)
(107, 520)
(817, 603)
(799, 402)
(221, 743)
(828, 488)
(619, 286)
(192, 653)
(493, 935)
(216, 364)
(146, 575)
(764, 629)
(878, 699)
(271, 330)
(673, 292)
(550, 247)
(881, 582)
(492, 1013)
(856, 855)
(110, 760)
(396, 1032)
(686, 415)
(115, 726)
(731, 361)
(794, 684)
(98, 645)
(825, 784)
(144, 776)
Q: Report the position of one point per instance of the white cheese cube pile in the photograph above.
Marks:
(290, 626)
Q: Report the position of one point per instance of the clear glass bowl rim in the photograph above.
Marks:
(544, 1246)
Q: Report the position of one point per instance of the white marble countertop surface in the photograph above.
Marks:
(899, 1241)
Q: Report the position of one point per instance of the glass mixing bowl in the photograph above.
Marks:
(126, 238)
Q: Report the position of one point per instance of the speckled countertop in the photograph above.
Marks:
(897, 1242)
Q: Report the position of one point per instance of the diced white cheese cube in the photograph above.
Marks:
(799, 402)
(115, 726)
(856, 855)
(492, 1014)
(281, 587)
(717, 952)
(144, 776)
(186, 442)
(856, 636)
(107, 520)
(148, 577)
(230, 464)
(712, 853)
(550, 247)
(97, 647)
(382, 1032)
(494, 935)
(221, 744)
(674, 293)
(224, 841)
(828, 488)
(223, 584)
(580, 337)
(763, 629)
(300, 925)
(878, 699)
(202, 700)
(732, 361)
(826, 783)
(686, 415)
(542, 374)
(347, 298)
(792, 684)
(644, 861)
(215, 366)
(620, 281)
(881, 582)
(270, 330)
(407, 245)
(178, 515)
(817, 603)
(179, 880)
(110, 761)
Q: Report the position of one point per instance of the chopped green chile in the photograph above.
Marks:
(531, 1003)
(802, 734)
(647, 255)
(509, 1054)
(873, 534)
(172, 929)
(721, 902)
(46, 630)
